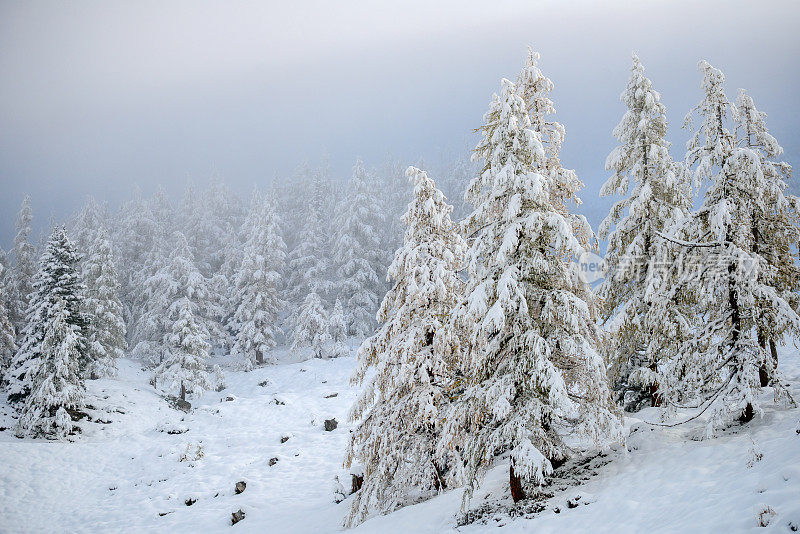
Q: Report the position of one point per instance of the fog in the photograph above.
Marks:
(97, 97)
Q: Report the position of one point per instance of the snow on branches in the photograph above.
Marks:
(399, 410)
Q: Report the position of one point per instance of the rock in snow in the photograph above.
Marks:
(237, 516)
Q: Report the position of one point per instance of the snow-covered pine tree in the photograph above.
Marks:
(658, 195)
(178, 280)
(24, 267)
(453, 183)
(8, 345)
(774, 225)
(337, 328)
(106, 330)
(200, 227)
(209, 220)
(55, 378)
(397, 440)
(257, 283)
(234, 256)
(5, 277)
(293, 194)
(734, 286)
(311, 327)
(308, 266)
(142, 252)
(534, 88)
(529, 339)
(357, 253)
(183, 370)
(84, 226)
(393, 200)
(57, 279)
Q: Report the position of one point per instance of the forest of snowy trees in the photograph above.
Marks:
(480, 336)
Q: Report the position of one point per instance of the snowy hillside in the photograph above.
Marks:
(139, 462)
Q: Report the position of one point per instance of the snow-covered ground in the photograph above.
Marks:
(137, 464)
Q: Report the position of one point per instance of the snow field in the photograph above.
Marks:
(121, 475)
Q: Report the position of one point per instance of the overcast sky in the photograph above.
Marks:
(98, 96)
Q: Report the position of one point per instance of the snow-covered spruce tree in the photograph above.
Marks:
(176, 280)
(8, 345)
(257, 283)
(311, 327)
(106, 329)
(529, 338)
(774, 225)
(83, 227)
(142, 251)
(292, 195)
(734, 285)
(393, 200)
(453, 183)
(55, 378)
(24, 266)
(357, 253)
(564, 184)
(399, 411)
(309, 267)
(534, 88)
(337, 328)
(183, 370)
(209, 219)
(658, 194)
(5, 277)
(57, 279)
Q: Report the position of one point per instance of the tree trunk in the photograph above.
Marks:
(773, 349)
(763, 372)
(183, 392)
(736, 321)
(654, 395)
(517, 492)
(747, 414)
(438, 480)
(259, 357)
(357, 482)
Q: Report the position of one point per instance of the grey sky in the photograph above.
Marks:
(97, 96)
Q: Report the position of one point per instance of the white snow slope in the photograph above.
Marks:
(125, 470)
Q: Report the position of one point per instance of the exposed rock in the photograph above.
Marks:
(331, 424)
(240, 486)
(190, 501)
(179, 404)
(765, 515)
(237, 516)
(273, 461)
(332, 395)
(285, 438)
